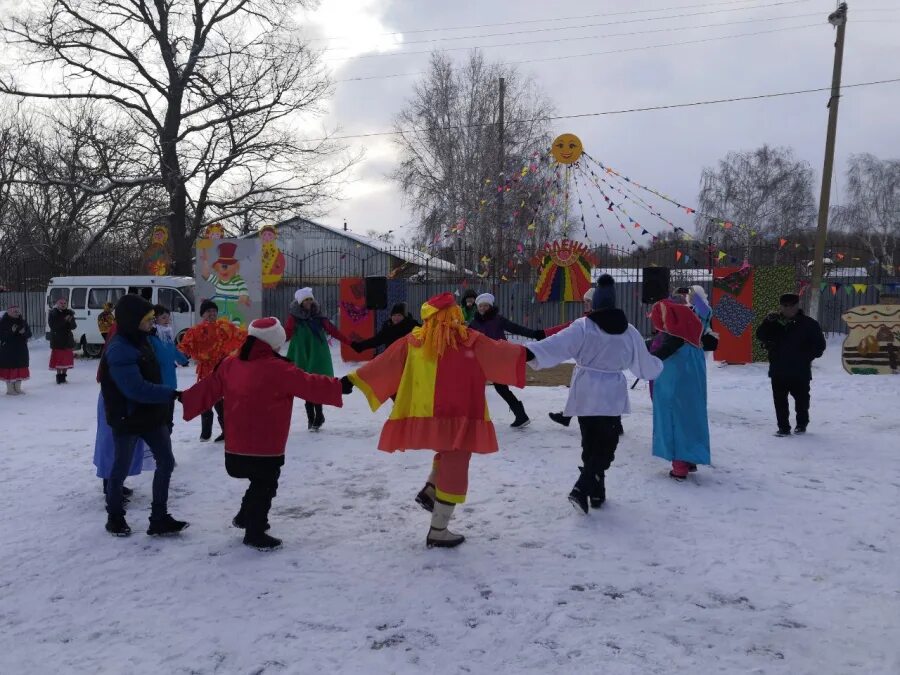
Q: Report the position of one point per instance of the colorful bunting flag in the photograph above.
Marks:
(678, 255)
(782, 242)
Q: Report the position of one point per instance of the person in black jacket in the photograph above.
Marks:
(793, 341)
(489, 321)
(61, 321)
(399, 324)
(136, 403)
(14, 335)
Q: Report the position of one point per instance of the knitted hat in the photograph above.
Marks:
(269, 330)
(605, 295)
(206, 305)
(485, 299)
(589, 294)
(789, 300)
(303, 294)
(399, 308)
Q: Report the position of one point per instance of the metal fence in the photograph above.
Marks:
(853, 277)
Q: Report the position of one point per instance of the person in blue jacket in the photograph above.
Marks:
(136, 403)
(167, 353)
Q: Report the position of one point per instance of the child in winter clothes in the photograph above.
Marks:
(208, 343)
(468, 306)
(259, 387)
(489, 321)
(438, 375)
(105, 320)
(14, 335)
(306, 328)
(61, 321)
(399, 324)
(680, 419)
(603, 344)
(169, 356)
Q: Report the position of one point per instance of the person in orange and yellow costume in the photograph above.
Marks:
(209, 343)
(438, 374)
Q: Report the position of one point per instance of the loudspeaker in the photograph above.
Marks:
(376, 292)
(656, 284)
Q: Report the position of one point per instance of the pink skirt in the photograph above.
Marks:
(14, 374)
(62, 359)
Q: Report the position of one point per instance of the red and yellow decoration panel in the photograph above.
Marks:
(565, 271)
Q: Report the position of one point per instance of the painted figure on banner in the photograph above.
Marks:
(872, 347)
(273, 262)
(212, 234)
(233, 280)
(157, 257)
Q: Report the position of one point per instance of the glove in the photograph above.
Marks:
(176, 396)
(529, 355)
(355, 346)
(772, 316)
(346, 385)
(541, 334)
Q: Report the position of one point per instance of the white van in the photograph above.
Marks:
(87, 295)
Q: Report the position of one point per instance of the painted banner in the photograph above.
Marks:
(229, 272)
(732, 302)
(872, 347)
(354, 320)
(769, 284)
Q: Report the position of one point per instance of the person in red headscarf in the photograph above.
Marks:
(438, 374)
(680, 418)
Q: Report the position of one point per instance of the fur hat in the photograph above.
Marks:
(269, 330)
(207, 305)
(304, 294)
(605, 295)
(485, 299)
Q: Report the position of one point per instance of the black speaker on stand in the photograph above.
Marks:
(376, 292)
(655, 286)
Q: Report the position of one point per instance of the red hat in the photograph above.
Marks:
(226, 254)
(269, 330)
(434, 305)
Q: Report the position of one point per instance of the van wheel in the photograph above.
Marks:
(89, 350)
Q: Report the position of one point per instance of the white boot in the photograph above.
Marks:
(18, 385)
(11, 389)
(439, 535)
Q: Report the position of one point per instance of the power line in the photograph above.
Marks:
(610, 51)
(623, 111)
(593, 25)
(545, 20)
(583, 37)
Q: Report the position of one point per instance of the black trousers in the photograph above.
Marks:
(619, 428)
(599, 440)
(514, 404)
(263, 473)
(314, 414)
(206, 419)
(799, 389)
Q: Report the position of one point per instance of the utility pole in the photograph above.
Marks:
(501, 160)
(838, 18)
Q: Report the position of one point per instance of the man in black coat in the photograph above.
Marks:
(399, 325)
(793, 341)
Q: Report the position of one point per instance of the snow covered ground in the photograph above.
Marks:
(781, 558)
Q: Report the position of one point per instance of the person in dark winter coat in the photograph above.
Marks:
(259, 387)
(167, 354)
(14, 335)
(137, 406)
(468, 306)
(399, 324)
(61, 321)
(793, 340)
(490, 322)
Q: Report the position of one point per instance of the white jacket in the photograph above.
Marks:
(598, 384)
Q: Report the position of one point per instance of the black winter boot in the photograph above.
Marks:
(261, 541)
(559, 418)
(310, 416)
(117, 526)
(60, 378)
(319, 420)
(425, 498)
(579, 500)
(165, 526)
(240, 522)
(521, 418)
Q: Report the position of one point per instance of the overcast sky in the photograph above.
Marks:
(665, 149)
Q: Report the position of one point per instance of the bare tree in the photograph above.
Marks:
(451, 171)
(872, 211)
(762, 192)
(214, 87)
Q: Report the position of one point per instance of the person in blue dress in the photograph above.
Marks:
(680, 419)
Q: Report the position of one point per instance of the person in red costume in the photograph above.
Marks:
(438, 374)
(259, 387)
